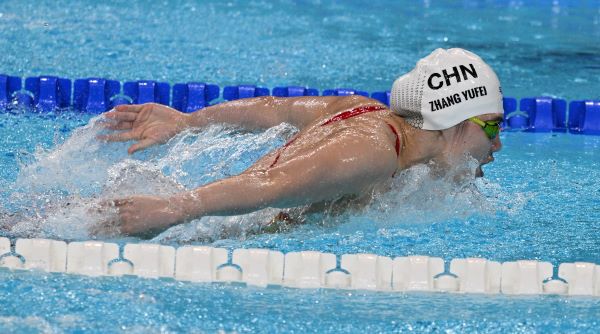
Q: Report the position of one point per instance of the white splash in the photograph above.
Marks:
(419, 195)
(60, 190)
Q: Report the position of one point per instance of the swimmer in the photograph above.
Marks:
(448, 106)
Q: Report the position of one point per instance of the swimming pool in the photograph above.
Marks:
(539, 200)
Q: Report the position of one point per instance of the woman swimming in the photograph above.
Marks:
(449, 105)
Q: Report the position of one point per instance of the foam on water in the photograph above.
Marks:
(58, 192)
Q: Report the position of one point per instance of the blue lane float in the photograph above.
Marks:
(49, 92)
(8, 86)
(344, 92)
(192, 96)
(118, 100)
(383, 97)
(584, 117)
(97, 95)
(145, 91)
(545, 114)
(94, 95)
(291, 91)
(243, 91)
(517, 121)
(510, 106)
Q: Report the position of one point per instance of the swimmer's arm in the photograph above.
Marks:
(344, 166)
(268, 111)
(150, 123)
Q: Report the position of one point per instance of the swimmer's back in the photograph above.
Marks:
(352, 115)
(327, 106)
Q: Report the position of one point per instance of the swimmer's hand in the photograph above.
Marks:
(149, 124)
(143, 215)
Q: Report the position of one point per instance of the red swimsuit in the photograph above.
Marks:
(342, 116)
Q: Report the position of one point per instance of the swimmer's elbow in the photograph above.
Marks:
(264, 189)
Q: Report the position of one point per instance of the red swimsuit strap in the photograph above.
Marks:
(281, 150)
(397, 139)
(345, 115)
(352, 113)
(362, 110)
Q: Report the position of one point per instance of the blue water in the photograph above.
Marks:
(147, 306)
(539, 199)
(540, 48)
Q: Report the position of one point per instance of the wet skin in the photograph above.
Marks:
(345, 158)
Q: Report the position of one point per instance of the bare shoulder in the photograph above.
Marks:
(351, 101)
(365, 140)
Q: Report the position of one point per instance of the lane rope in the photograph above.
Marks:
(305, 269)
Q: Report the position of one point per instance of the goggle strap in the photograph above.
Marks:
(491, 128)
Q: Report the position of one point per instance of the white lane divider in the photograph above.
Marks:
(198, 263)
(4, 246)
(7, 259)
(261, 267)
(416, 273)
(583, 278)
(525, 277)
(43, 254)
(307, 269)
(150, 260)
(91, 258)
(477, 275)
(368, 271)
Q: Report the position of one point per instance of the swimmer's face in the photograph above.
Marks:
(473, 141)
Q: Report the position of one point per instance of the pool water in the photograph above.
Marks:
(52, 303)
(538, 200)
(536, 47)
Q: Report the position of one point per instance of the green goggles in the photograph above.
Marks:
(491, 128)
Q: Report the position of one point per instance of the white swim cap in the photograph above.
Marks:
(446, 88)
